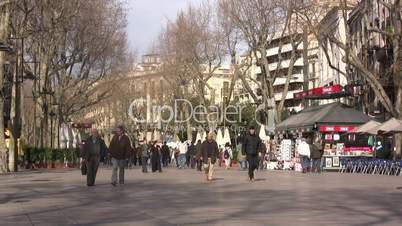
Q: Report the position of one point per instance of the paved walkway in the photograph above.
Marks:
(179, 197)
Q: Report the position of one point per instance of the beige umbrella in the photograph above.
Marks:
(176, 138)
(226, 136)
(369, 127)
(141, 135)
(157, 135)
(198, 137)
(219, 138)
(204, 136)
(391, 126)
(149, 136)
(262, 134)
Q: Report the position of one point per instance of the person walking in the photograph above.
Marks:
(94, 150)
(303, 149)
(198, 155)
(181, 158)
(144, 156)
(156, 155)
(119, 150)
(316, 155)
(191, 156)
(209, 154)
(165, 154)
(251, 148)
(227, 155)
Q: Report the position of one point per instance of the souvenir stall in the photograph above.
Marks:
(326, 125)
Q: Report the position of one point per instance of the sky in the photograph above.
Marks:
(146, 18)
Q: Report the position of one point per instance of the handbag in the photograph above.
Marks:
(83, 168)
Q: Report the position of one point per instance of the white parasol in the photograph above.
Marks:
(204, 135)
(219, 138)
(262, 134)
(157, 135)
(226, 136)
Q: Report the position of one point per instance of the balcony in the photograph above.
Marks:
(286, 64)
(278, 96)
(282, 81)
(285, 49)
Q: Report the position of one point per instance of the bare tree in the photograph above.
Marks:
(393, 36)
(73, 46)
(259, 23)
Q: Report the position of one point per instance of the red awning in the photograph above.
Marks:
(321, 93)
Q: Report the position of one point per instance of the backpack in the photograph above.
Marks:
(226, 154)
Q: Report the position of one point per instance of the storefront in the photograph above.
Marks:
(327, 125)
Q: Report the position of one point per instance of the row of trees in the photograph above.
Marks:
(67, 48)
(201, 39)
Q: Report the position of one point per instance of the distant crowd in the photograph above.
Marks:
(202, 156)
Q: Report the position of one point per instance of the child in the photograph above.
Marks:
(227, 155)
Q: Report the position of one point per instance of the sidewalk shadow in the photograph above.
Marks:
(260, 179)
(217, 179)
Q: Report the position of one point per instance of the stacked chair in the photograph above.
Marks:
(371, 166)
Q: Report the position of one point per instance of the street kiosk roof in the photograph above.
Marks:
(333, 114)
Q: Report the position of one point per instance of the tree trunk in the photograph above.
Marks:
(4, 21)
(267, 85)
(397, 70)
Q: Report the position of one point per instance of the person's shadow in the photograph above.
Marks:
(260, 179)
(217, 179)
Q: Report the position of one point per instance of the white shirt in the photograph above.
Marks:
(183, 148)
(304, 149)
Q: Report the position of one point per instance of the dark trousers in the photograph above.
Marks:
(156, 164)
(305, 162)
(165, 160)
(199, 165)
(144, 162)
(192, 162)
(253, 165)
(92, 169)
(316, 167)
(134, 160)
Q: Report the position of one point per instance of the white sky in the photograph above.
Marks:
(147, 17)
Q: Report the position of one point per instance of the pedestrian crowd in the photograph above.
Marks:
(202, 156)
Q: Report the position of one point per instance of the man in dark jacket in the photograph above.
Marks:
(94, 150)
(191, 156)
(198, 155)
(156, 154)
(209, 153)
(165, 154)
(251, 148)
(315, 155)
(119, 149)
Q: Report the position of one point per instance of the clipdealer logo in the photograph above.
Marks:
(144, 111)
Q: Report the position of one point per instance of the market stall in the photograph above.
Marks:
(326, 125)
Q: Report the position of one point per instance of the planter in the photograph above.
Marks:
(72, 165)
(59, 165)
(235, 165)
(50, 165)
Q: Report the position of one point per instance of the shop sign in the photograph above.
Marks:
(319, 91)
(336, 128)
